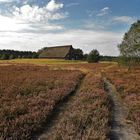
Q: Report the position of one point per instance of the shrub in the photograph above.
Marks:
(4, 57)
(93, 56)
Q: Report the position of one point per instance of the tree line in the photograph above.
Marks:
(12, 54)
(93, 56)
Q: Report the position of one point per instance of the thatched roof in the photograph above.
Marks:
(56, 52)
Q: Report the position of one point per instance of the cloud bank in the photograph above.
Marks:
(123, 19)
(105, 42)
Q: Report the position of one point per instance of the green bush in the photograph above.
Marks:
(4, 57)
(93, 56)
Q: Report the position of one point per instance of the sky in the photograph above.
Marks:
(30, 25)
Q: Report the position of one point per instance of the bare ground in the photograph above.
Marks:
(121, 129)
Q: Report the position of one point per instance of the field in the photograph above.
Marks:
(41, 61)
(28, 95)
(87, 115)
(62, 100)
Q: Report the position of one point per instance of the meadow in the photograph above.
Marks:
(31, 90)
(41, 61)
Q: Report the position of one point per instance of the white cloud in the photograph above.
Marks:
(103, 11)
(91, 12)
(123, 19)
(53, 6)
(105, 42)
(9, 24)
(18, 26)
(6, 1)
(32, 18)
(41, 28)
(29, 13)
(72, 4)
(92, 25)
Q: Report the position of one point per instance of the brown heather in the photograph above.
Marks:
(28, 94)
(87, 116)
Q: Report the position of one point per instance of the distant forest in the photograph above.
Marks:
(109, 58)
(12, 54)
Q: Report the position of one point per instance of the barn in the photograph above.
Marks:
(58, 52)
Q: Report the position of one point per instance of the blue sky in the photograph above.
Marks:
(86, 24)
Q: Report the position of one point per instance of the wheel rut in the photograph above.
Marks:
(56, 116)
(120, 128)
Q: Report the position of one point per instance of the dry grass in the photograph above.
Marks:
(41, 61)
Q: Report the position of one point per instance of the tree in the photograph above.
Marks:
(130, 46)
(35, 55)
(78, 54)
(12, 56)
(93, 56)
(85, 56)
(5, 57)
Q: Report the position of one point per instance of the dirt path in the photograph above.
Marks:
(55, 119)
(120, 128)
(50, 129)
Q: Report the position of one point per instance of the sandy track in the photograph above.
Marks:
(121, 129)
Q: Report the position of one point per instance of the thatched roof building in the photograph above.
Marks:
(58, 52)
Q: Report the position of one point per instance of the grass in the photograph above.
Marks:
(49, 61)
(42, 61)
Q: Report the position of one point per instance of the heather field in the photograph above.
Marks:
(64, 101)
(86, 117)
(28, 95)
